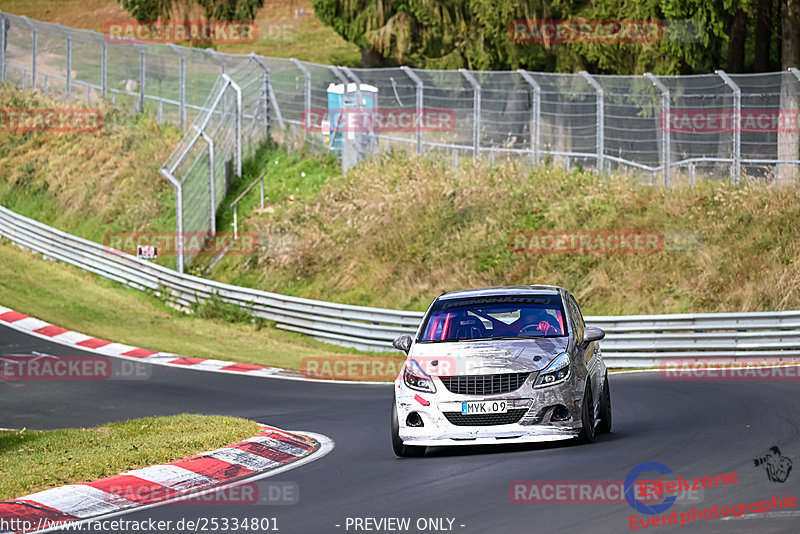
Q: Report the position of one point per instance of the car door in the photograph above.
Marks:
(589, 353)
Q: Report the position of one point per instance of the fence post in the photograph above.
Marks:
(181, 83)
(68, 77)
(211, 184)
(238, 90)
(476, 111)
(265, 101)
(34, 43)
(665, 137)
(737, 125)
(178, 215)
(103, 61)
(419, 103)
(600, 118)
(307, 74)
(2, 47)
(142, 77)
(536, 113)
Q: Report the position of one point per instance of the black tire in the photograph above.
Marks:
(586, 434)
(604, 426)
(403, 451)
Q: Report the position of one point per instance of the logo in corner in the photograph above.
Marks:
(778, 467)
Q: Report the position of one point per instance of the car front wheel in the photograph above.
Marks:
(403, 451)
(604, 426)
(586, 434)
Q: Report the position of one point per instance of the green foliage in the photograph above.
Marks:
(476, 34)
(151, 10)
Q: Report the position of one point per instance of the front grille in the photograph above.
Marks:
(484, 384)
(489, 419)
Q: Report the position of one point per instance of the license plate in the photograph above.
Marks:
(476, 408)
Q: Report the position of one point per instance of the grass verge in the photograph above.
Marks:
(76, 300)
(32, 461)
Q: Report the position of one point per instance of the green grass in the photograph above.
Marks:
(32, 461)
(398, 230)
(280, 33)
(77, 300)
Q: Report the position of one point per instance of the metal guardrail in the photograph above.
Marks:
(632, 341)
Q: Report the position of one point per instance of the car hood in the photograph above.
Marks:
(487, 357)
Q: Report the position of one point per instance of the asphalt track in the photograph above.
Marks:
(696, 428)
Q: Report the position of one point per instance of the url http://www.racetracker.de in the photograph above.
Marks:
(201, 524)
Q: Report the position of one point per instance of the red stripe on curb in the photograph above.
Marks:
(138, 353)
(12, 316)
(265, 451)
(242, 367)
(93, 343)
(213, 468)
(31, 511)
(51, 330)
(133, 488)
(290, 441)
(186, 361)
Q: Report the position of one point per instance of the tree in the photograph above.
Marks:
(152, 10)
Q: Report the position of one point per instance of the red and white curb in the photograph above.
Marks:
(268, 454)
(41, 329)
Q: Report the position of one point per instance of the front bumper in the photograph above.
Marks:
(532, 419)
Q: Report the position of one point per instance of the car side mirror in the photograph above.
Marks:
(402, 343)
(592, 333)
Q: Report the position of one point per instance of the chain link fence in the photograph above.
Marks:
(662, 129)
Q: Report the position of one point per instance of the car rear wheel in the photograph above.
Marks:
(403, 451)
(586, 434)
(604, 426)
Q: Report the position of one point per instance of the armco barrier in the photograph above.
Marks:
(632, 341)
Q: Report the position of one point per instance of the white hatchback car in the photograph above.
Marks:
(500, 365)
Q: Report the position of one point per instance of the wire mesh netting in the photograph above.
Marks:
(661, 128)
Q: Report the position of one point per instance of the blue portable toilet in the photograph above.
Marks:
(339, 99)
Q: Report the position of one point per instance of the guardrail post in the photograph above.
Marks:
(419, 103)
(600, 118)
(2, 47)
(476, 111)
(181, 83)
(665, 137)
(737, 125)
(34, 44)
(536, 114)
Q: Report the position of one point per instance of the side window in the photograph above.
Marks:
(575, 312)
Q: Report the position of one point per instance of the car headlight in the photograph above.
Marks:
(417, 379)
(557, 372)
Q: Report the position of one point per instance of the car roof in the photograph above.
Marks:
(502, 290)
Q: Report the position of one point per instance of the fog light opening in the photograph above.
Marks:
(414, 420)
(560, 413)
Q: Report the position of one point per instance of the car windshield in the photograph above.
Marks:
(504, 316)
